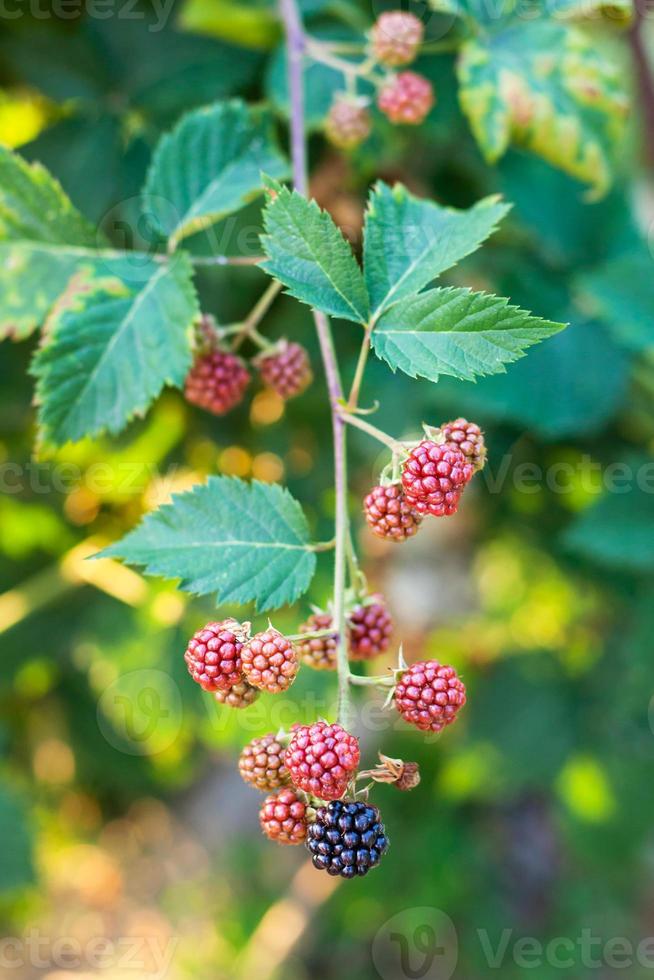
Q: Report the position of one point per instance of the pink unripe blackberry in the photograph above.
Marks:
(433, 477)
(217, 381)
(213, 655)
(348, 123)
(406, 98)
(469, 438)
(389, 515)
(320, 651)
(269, 661)
(322, 759)
(370, 628)
(286, 370)
(283, 817)
(396, 37)
(429, 695)
(261, 763)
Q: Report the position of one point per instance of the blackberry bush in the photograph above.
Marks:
(121, 327)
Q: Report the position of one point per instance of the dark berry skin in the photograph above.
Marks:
(347, 838)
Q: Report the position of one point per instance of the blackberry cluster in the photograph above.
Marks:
(346, 838)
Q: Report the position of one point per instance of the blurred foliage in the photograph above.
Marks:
(534, 813)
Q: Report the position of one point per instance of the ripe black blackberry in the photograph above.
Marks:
(347, 838)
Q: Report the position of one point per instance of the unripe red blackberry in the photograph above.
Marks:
(388, 514)
(370, 628)
(261, 763)
(283, 817)
(347, 838)
(217, 381)
(269, 661)
(287, 370)
(322, 759)
(319, 652)
(429, 695)
(348, 123)
(433, 477)
(396, 37)
(213, 655)
(406, 98)
(469, 438)
(241, 695)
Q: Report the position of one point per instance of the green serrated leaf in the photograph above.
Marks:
(110, 348)
(33, 206)
(310, 256)
(408, 242)
(456, 332)
(245, 542)
(550, 87)
(209, 166)
(33, 275)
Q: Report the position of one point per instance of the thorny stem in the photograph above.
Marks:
(296, 42)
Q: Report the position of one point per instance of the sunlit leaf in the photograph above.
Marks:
(245, 542)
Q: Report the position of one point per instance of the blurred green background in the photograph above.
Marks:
(128, 844)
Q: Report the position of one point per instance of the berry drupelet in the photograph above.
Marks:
(217, 381)
(348, 123)
(406, 98)
(389, 515)
(346, 839)
(269, 661)
(434, 476)
(320, 651)
(429, 695)
(396, 36)
(322, 758)
(283, 817)
(469, 438)
(286, 370)
(261, 763)
(213, 655)
(241, 695)
(370, 628)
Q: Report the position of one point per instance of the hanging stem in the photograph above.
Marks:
(355, 390)
(253, 319)
(296, 44)
(396, 447)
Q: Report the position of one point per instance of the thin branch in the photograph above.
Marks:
(253, 319)
(296, 42)
(226, 260)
